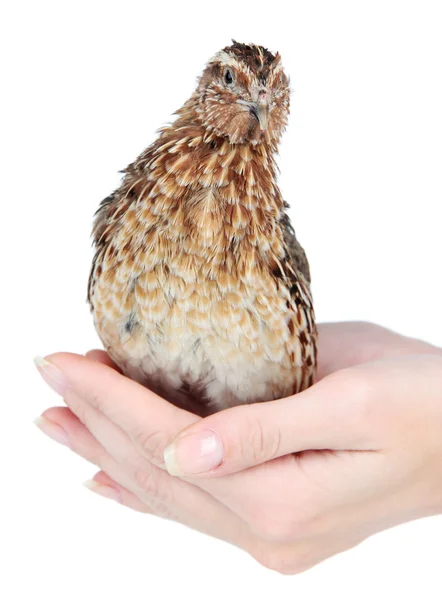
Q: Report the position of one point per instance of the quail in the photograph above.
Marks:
(199, 288)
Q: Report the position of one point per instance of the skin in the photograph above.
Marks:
(301, 478)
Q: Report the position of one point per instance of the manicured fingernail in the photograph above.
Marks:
(55, 378)
(53, 430)
(194, 453)
(103, 490)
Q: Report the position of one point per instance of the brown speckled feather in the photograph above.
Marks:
(199, 287)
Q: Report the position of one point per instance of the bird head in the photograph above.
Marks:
(244, 94)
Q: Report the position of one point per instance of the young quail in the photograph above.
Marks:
(199, 287)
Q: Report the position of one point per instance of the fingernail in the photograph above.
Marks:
(53, 430)
(55, 378)
(103, 490)
(194, 453)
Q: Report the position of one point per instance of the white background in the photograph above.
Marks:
(85, 86)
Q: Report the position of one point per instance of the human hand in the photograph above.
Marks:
(367, 440)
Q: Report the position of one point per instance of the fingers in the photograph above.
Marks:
(121, 462)
(356, 409)
(105, 486)
(163, 496)
(102, 357)
(149, 421)
(329, 415)
(110, 448)
(63, 426)
(343, 345)
(60, 424)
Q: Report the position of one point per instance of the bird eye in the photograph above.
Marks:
(228, 77)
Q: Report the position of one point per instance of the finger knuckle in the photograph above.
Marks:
(97, 456)
(78, 407)
(150, 480)
(143, 477)
(259, 445)
(362, 394)
(73, 401)
(358, 385)
(151, 443)
(96, 399)
(93, 453)
(368, 327)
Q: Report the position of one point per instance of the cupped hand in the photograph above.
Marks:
(292, 481)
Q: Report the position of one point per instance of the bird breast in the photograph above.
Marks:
(184, 290)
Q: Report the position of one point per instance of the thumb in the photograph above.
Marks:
(330, 415)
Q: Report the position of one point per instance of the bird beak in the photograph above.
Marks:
(262, 113)
(260, 109)
(261, 106)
